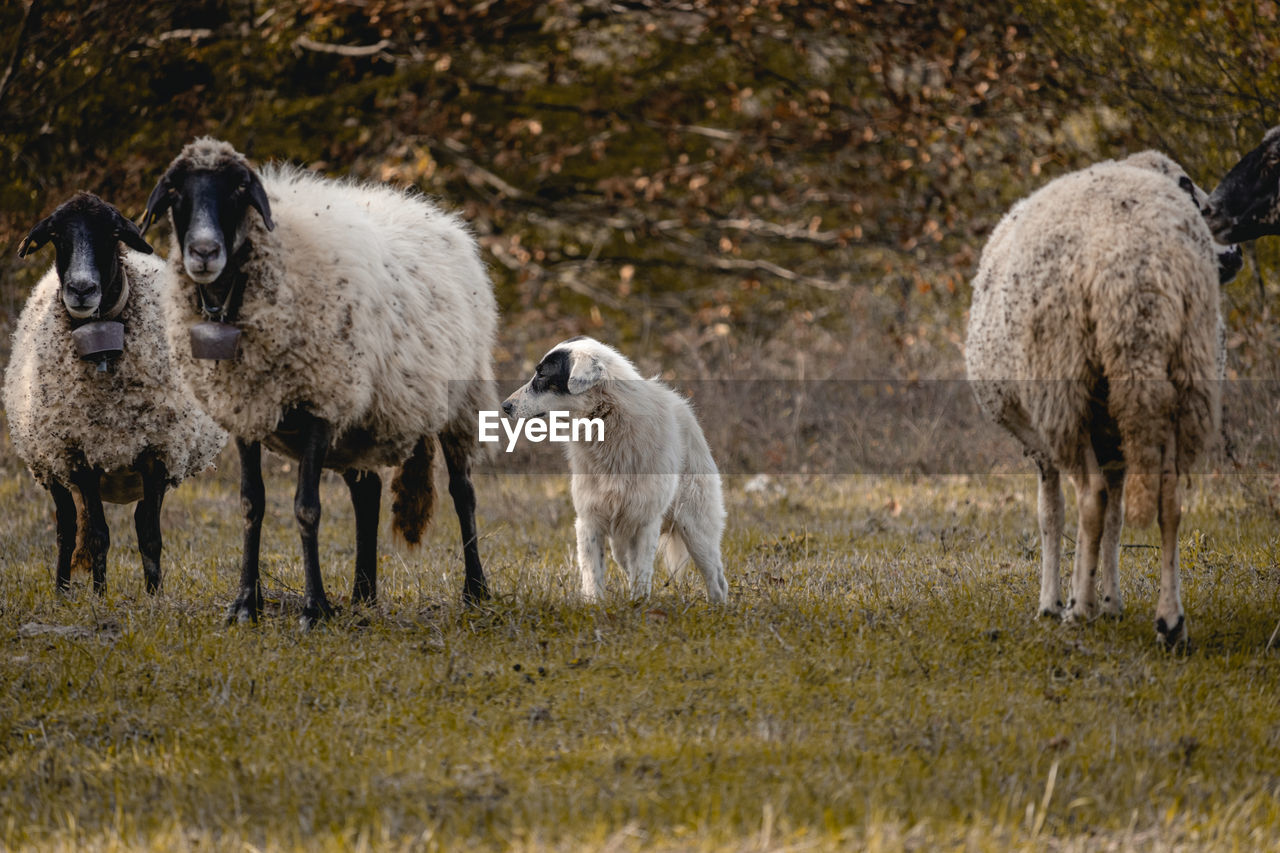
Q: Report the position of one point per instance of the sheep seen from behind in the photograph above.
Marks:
(366, 323)
(119, 427)
(1095, 339)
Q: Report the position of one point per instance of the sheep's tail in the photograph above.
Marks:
(413, 493)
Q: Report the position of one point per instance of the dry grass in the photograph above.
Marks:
(877, 681)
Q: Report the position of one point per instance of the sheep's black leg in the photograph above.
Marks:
(146, 520)
(97, 537)
(315, 435)
(458, 460)
(248, 604)
(366, 497)
(64, 513)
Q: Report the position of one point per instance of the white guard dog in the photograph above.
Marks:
(649, 481)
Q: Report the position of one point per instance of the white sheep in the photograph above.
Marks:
(1095, 339)
(123, 428)
(366, 322)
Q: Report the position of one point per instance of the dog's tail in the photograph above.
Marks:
(674, 552)
(413, 492)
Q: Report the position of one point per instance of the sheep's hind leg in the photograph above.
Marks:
(146, 521)
(458, 460)
(64, 513)
(366, 498)
(97, 538)
(306, 508)
(1171, 623)
(247, 606)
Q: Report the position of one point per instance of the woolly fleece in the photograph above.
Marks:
(61, 408)
(1109, 272)
(367, 306)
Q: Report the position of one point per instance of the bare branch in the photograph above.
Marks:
(342, 49)
(18, 44)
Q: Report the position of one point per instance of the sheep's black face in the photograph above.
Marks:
(1246, 204)
(85, 233)
(210, 214)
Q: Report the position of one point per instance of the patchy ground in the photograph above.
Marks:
(877, 680)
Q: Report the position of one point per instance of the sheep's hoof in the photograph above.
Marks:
(315, 611)
(245, 609)
(475, 593)
(1173, 637)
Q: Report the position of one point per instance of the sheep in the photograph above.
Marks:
(121, 429)
(366, 322)
(1095, 338)
(1246, 203)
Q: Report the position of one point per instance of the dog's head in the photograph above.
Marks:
(570, 378)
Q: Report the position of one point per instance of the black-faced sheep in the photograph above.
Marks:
(123, 428)
(1095, 339)
(366, 322)
(1246, 203)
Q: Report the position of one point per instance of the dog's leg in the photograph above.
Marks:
(704, 547)
(591, 540)
(637, 558)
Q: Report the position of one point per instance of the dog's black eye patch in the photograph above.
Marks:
(552, 374)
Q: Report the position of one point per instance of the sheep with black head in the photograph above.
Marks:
(359, 321)
(95, 421)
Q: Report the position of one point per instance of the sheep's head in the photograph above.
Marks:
(209, 189)
(86, 233)
(1246, 203)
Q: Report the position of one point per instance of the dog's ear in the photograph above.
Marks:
(128, 233)
(585, 371)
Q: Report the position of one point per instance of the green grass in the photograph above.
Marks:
(876, 681)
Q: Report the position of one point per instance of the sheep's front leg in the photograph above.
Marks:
(146, 520)
(591, 538)
(366, 499)
(1171, 624)
(457, 457)
(64, 514)
(1091, 503)
(97, 538)
(1050, 511)
(247, 606)
(306, 508)
(1110, 603)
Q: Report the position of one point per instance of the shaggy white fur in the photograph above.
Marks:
(650, 482)
(1095, 339)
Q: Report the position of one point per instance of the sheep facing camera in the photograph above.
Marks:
(215, 341)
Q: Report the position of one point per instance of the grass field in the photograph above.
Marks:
(877, 680)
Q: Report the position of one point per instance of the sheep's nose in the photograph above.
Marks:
(204, 250)
(81, 287)
(507, 408)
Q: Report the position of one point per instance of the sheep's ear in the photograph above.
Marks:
(258, 198)
(158, 204)
(585, 371)
(42, 233)
(128, 233)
